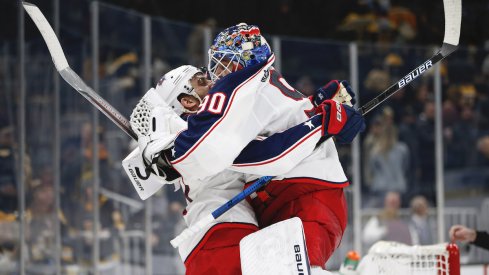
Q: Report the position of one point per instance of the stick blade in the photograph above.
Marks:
(453, 21)
(48, 35)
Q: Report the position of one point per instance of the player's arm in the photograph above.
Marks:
(229, 118)
(281, 152)
(233, 132)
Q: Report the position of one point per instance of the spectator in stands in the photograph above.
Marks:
(408, 135)
(388, 160)
(483, 148)
(425, 129)
(373, 134)
(8, 202)
(460, 140)
(423, 228)
(388, 225)
(8, 183)
(42, 218)
(465, 234)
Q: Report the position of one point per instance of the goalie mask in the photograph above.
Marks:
(175, 83)
(237, 47)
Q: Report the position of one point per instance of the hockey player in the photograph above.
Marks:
(313, 190)
(249, 99)
(215, 249)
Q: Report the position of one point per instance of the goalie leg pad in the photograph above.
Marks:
(279, 249)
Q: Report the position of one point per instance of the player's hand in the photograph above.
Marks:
(341, 121)
(462, 233)
(340, 91)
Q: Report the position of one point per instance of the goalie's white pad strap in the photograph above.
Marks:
(279, 249)
(145, 183)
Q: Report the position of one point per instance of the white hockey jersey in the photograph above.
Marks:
(219, 189)
(206, 195)
(253, 102)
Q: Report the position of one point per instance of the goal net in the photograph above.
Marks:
(400, 259)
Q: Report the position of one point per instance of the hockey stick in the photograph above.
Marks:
(69, 75)
(453, 18)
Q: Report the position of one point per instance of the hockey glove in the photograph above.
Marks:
(147, 179)
(339, 91)
(340, 121)
(156, 125)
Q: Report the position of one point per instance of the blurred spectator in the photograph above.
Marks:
(78, 245)
(8, 172)
(408, 135)
(465, 234)
(483, 148)
(81, 225)
(468, 95)
(423, 95)
(460, 140)
(403, 21)
(377, 80)
(426, 152)
(423, 228)
(374, 131)
(387, 226)
(103, 156)
(41, 222)
(388, 161)
(9, 227)
(122, 78)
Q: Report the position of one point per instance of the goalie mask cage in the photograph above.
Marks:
(399, 259)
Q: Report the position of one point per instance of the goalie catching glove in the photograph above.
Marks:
(156, 126)
(340, 121)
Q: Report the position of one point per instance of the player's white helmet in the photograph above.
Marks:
(177, 82)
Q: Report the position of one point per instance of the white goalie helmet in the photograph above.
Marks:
(177, 82)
